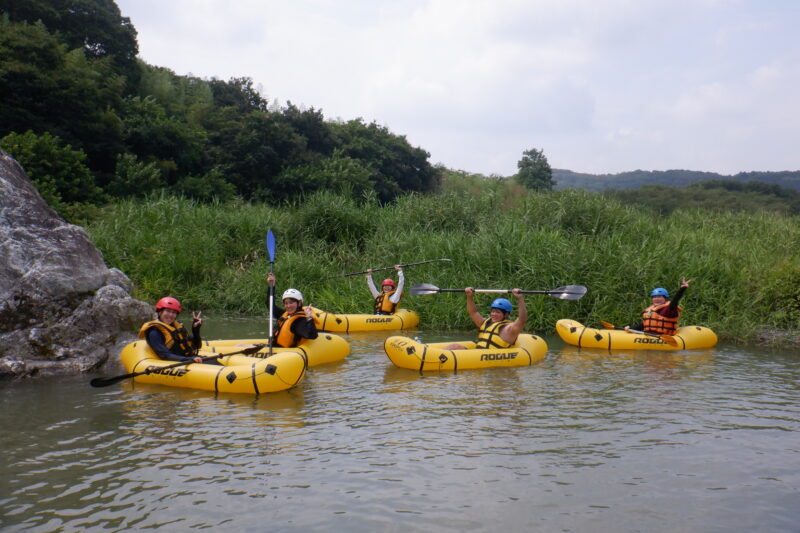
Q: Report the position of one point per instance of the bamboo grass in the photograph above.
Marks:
(746, 267)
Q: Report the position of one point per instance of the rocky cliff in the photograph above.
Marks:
(62, 310)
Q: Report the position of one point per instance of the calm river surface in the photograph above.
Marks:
(583, 442)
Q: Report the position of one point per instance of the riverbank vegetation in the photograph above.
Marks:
(746, 267)
(74, 91)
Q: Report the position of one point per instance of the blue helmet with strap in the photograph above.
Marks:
(659, 291)
(502, 304)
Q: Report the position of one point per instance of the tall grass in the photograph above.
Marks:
(746, 268)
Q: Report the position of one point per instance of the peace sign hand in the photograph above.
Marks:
(197, 321)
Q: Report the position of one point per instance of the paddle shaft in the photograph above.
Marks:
(669, 339)
(391, 267)
(501, 291)
(271, 252)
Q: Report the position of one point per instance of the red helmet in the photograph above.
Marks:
(168, 302)
(388, 281)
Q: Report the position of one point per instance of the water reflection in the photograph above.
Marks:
(585, 441)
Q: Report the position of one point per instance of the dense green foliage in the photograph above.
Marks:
(717, 195)
(746, 267)
(567, 179)
(534, 171)
(69, 74)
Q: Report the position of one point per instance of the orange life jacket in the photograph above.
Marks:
(654, 322)
(489, 335)
(283, 330)
(174, 335)
(383, 305)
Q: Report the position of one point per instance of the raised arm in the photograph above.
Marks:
(371, 284)
(401, 280)
(472, 309)
(512, 331)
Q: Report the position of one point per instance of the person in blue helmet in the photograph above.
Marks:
(663, 314)
(498, 330)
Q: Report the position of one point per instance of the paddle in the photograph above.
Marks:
(271, 252)
(565, 292)
(391, 267)
(669, 339)
(105, 382)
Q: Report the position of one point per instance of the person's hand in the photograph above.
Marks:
(197, 359)
(626, 328)
(398, 268)
(309, 312)
(197, 320)
(685, 283)
(517, 293)
(271, 279)
(469, 290)
(369, 272)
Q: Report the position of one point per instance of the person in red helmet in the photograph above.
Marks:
(387, 299)
(168, 338)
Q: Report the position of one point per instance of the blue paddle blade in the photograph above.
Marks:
(271, 246)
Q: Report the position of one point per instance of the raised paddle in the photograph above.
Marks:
(669, 339)
(271, 252)
(105, 382)
(391, 267)
(565, 292)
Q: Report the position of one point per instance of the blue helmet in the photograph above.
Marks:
(502, 304)
(658, 291)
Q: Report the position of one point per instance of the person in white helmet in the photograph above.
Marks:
(294, 324)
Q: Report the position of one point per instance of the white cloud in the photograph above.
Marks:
(600, 86)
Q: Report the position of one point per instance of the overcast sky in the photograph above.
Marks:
(601, 86)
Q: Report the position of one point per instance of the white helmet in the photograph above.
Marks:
(292, 293)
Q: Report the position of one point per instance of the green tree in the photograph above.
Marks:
(154, 136)
(310, 123)
(134, 177)
(238, 93)
(397, 167)
(46, 88)
(338, 173)
(255, 149)
(534, 171)
(209, 187)
(57, 170)
(95, 26)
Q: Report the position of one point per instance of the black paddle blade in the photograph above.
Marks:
(424, 288)
(568, 292)
(105, 382)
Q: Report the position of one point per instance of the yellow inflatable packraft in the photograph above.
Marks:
(326, 348)
(687, 337)
(280, 372)
(408, 353)
(402, 319)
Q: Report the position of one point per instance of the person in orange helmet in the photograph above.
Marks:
(388, 298)
(168, 338)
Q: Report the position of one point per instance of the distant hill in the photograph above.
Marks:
(567, 179)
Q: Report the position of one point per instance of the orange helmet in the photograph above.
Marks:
(388, 281)
(168, 302)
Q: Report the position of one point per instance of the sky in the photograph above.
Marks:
(599, 86)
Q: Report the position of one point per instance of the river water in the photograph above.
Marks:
(585, 441)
